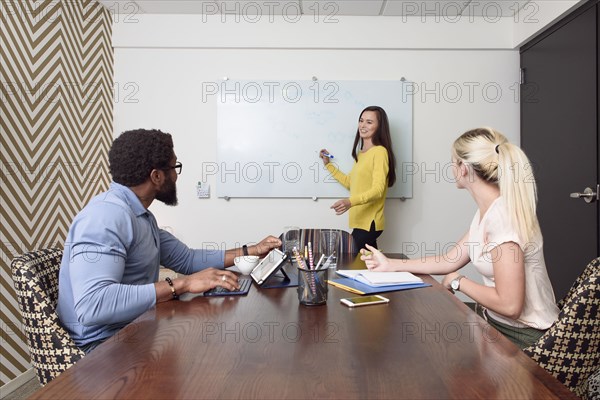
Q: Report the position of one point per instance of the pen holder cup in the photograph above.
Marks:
(329, 245)
(312, 286)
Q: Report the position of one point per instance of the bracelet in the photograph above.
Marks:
(170, 282)
(245, 250)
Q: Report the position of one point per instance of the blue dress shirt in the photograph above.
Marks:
(110, 264)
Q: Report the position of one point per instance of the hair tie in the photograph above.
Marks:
(497, 152)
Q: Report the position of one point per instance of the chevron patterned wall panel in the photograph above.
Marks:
(56, 68)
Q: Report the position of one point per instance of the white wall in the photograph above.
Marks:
(457, 90)
(311, 32)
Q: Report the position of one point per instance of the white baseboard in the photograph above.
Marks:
(16, 383)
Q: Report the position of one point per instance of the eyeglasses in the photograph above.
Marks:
(178, 167)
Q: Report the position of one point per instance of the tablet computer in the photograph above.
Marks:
(268, 266)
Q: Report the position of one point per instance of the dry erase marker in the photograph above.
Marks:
(326, 154)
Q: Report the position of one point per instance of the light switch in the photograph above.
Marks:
(203, 190)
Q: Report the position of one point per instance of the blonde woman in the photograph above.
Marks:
(504, 241)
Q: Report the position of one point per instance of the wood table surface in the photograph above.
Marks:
(423, 344)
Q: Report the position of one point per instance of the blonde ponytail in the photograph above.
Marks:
(497, 161)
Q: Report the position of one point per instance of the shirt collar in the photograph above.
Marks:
(132, 200)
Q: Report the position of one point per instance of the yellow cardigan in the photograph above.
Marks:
(367, 183)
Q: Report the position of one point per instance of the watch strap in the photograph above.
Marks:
(457, 280)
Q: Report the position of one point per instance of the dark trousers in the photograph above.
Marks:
(87, 348)
(362, 237)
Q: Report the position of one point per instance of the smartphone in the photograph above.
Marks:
(364, 300)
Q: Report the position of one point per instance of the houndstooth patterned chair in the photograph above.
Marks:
(35, 277)
(594, 385)
(591, 269)
(570, 349)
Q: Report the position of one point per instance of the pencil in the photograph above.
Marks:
(344, 287)
(310, 256)
(302, 265)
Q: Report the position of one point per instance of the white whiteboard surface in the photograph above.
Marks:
(270, 132)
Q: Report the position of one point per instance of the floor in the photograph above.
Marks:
(24, 391)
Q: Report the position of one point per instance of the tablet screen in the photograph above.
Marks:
(267, 266)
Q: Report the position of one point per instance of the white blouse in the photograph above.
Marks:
(495, 228)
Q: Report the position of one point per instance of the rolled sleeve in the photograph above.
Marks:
(206, 258)
(177, 256)
(499, 230)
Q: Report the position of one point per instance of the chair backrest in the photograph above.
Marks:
(591, 269)
(594, 385)
(35, 277)
(570, 349)
(346, 243)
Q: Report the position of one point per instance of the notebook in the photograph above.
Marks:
(377, 279)
(357, 287)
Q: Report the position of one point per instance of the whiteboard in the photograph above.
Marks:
(270, 132)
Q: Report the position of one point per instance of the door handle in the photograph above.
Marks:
(588, 195)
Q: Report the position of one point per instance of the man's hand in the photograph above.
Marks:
(197, 282)
(261, 249)
(266, 245)
(209, 278)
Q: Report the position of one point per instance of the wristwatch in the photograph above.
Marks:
(455, 284)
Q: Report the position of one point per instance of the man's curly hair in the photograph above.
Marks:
(134, 154)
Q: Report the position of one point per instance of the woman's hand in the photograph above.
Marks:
(375, 260)
(324, 157)
(448, 280)
(341, 206)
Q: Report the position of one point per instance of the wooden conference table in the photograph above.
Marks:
(424, 344)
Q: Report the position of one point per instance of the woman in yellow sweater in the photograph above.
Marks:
(373, 172)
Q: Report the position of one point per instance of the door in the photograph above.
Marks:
(559, 133)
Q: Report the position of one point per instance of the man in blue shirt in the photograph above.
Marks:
(109, 271)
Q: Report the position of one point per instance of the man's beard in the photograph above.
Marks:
(168, 193)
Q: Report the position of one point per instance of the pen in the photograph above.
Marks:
(327, 154)
(318, 266)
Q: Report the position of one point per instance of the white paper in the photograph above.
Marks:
(376, 278)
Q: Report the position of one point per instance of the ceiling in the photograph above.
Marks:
(449, 9)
